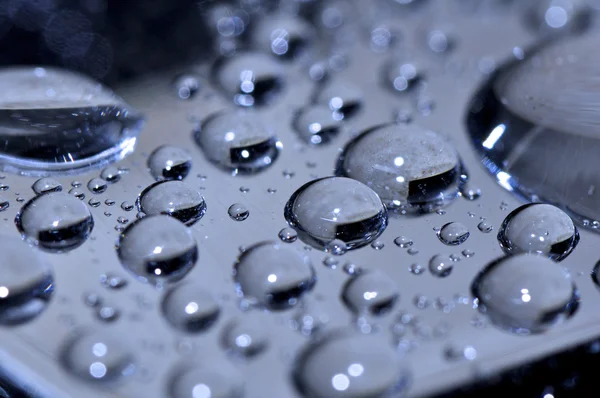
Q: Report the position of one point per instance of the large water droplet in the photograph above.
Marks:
(56, 120)
(535, 130)
(284, 36)
(173, 198)
(219, 380)
(350, 365)
(453, 233)
(317, 124)
(26, 282)
(336, 208)
(46, 185)
(55, 221)
(238, 141)
(407, 165)
(272, 275)
(190, 308)
(525, 293)
(371, 291)
(250, 78)
(157, 249)
(245, 337)
(169, 163)
(538, 228)
(95, 356)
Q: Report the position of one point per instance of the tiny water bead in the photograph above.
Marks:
(401, 76)
(251, 79)
(169, 162)
(371, 291)
(46, 185)
(238, 212)
(317, 124)
(97, 185)
(190, 308)
(157, 249)
(283, 36)
(238, 141)
(525, 293)
(453, 233)
(220, 380)
(536, 143)
(186, 85)
(245, 337)
(485, 227)
(273, 276)
(55, 221)
(408, 166)
(288, 235)
(345, 365)
(416, 269)
(112, 281)
(539, 228)
(58, 120)
(172, 198)
(26, 282)
(98, 357)
(336, 208)
(441, 265)
(341, 97)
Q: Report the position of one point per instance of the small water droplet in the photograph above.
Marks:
(341, 97)
(122, 220)
(173, 198)
(330, 262)
(169, 162)
(92, 299)
(403, 242)
(412, 251)
(401, 76)
(352, 269)
(220, 379)
(244, 189)
(371, 291)
(108, 313)
(336, 247)
(107, 213)
(112, 281)
(271, 190)
(109, 202)
(97, 185)
(317, 124)
(284, 36)
(454, 353)
(76, 192)
(94, 202)
(110, 174)
(127, 206)
(439, 42)
(468, 253)
(453, 233)
(46, 185)
(3, 187)
(377, 245)
(485, 227)
(441, 265)
(416, 269)
(288, 235)
(238, 212)
(421, 302)
(188, 307)
(287, 173)
(245, 337)
(186, 85)
(470, 193)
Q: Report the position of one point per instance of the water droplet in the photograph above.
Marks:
(401, 76)
(127, 206)
(109, 202)
(250, 78)
(470, 193)
(244, 189)
(3, 187)
(525, 132)
(122, 220)
(216, 380)
(416, 269)
(55, 221)
(188, 307)
(97, 185)
(112, 281)
(352, 269)
(439, 42)
(421, 302)
(108, 313)
(94, 202)
(186, 85)
(92, 299)
(408, 166)
(485, 227)
(538, 228)
(238, 141)
(342, 97)
(525, 293)
(288, 235)
(82, 124)
(245, 337)
(4, 203)
(558, 16)
(336, 208)
(107, 213)
(26, 284)
(172, 198)
(468, 253)
(273, 275)
(412, 251)
(336, 247)
(350, 365)
(238, 212)
(169, 162)
(317, 124)
(77, 193)
(110, 174)
(287, 173)
(157, 248)
(371, 291)
(377, 245)
(403, 242)
(46, 185)
(98, 357)
(454, 353)
(284, 36)
(453, 233)
(441, 265)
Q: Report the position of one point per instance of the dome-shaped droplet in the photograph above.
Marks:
(98, 357)
(169, 163)
(110, 174)
(336, 208)
(288, 235)
(250, 78)
(284, 36)
(401, 76)
(58, 120)
(342, 97)
(350, 365)
(172, 198)
(245, 337)
(453, 233)
(371, 291)
(55, 221)
(190, 308)
(407, 165)
(46, 185)
(525, 293)
(238, 141)
(186, 85)
(26, 282)
(273, 275)
(538, 228)
(238, 212)
(535, 130)
(441, 265)
(97, 185)
(558, 16)
(217, 379)
(157, 249)
(317, 124)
